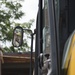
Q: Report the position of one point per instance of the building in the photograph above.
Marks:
(15, 64)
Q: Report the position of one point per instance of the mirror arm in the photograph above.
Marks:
(28, 30)
(31, 31)
(31, 62)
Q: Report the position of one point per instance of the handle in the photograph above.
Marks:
(40, 58)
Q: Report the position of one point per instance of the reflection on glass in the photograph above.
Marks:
(46, 30)
(17, 40)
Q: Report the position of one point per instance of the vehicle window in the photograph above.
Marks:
(46, 29)
(57, 10)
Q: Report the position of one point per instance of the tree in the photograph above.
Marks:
(10, 11)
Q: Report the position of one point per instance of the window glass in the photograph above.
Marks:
(57, 10)
(46, 29)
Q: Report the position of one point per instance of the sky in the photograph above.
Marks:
(30, 8)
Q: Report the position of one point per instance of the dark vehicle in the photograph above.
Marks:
(54, 48)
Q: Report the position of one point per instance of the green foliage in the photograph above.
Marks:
(10, 10)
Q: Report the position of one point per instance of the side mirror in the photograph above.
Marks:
(17, 36)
